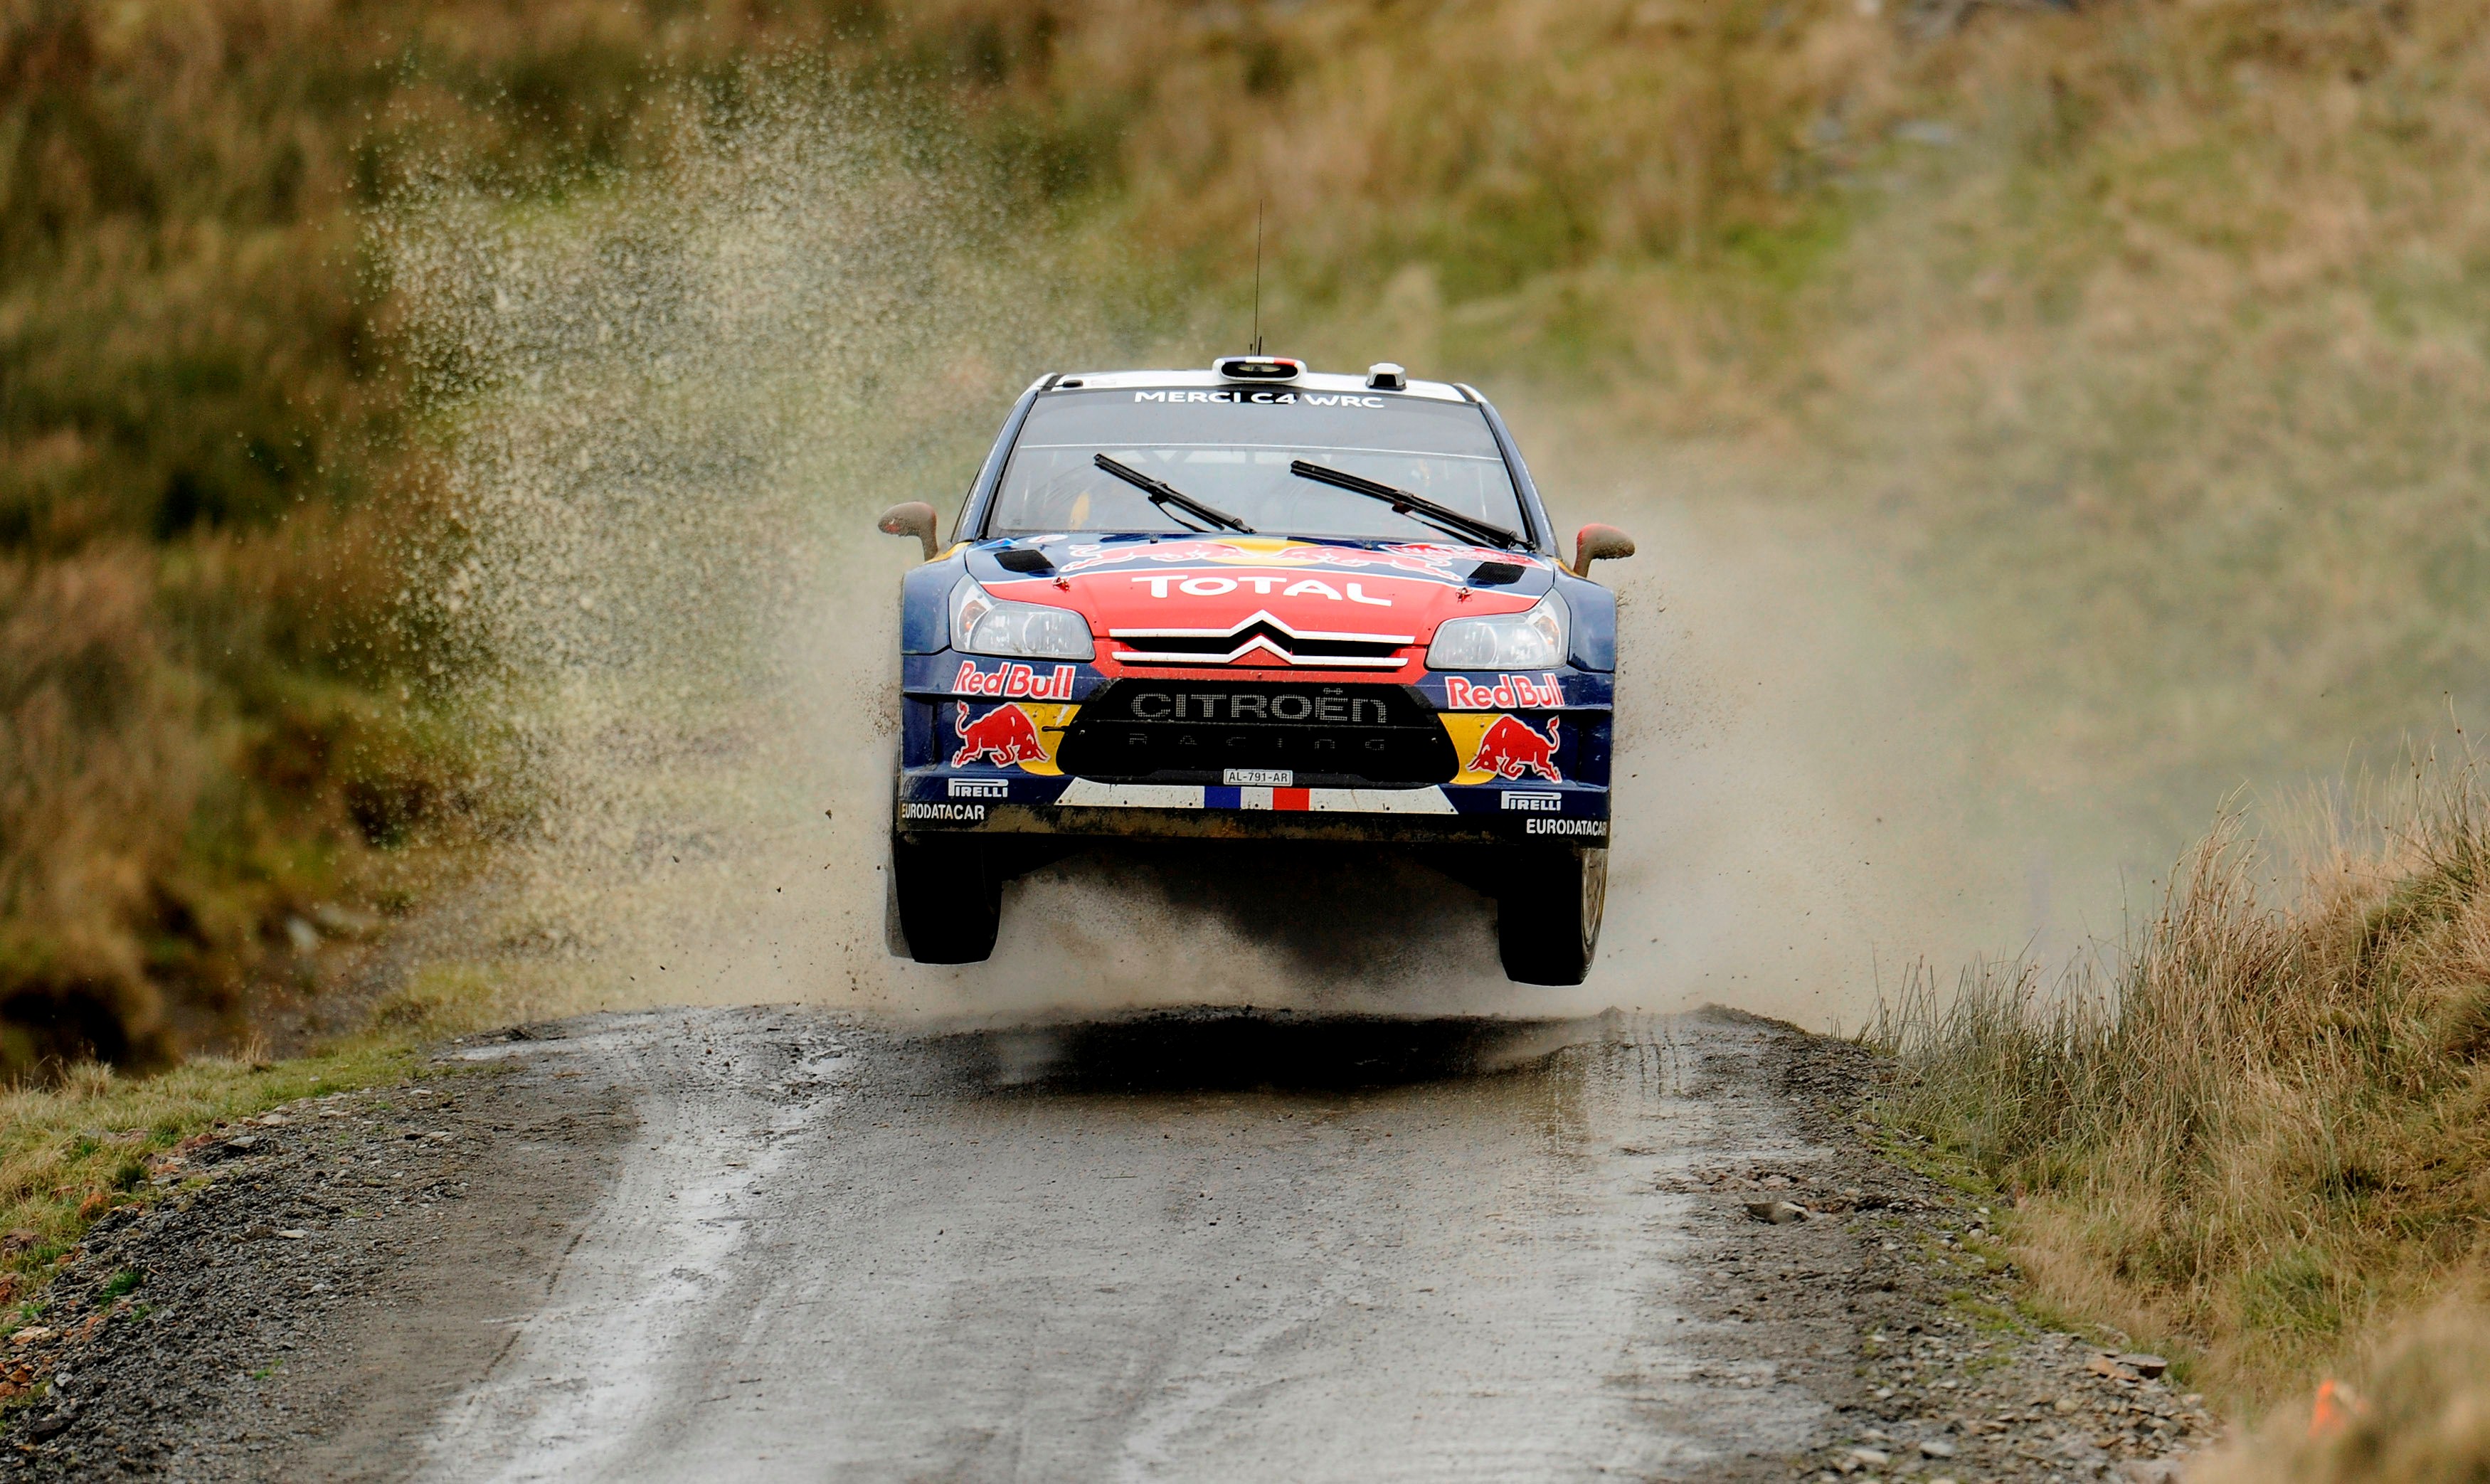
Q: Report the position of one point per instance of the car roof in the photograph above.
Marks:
(1305, 381)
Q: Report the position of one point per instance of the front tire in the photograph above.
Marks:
(1548, 915)
(950, 898)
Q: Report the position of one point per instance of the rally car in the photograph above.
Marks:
(1256, 602)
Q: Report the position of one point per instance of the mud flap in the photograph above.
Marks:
(949, 897)
(894, 932)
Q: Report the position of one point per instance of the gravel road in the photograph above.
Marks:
(771, 1243)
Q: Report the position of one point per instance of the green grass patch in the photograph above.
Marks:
(73, 1151)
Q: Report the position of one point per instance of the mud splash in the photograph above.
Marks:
(676, 406)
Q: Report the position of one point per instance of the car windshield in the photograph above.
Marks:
(1229, 449)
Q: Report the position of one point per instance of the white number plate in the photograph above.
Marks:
(1258, 777)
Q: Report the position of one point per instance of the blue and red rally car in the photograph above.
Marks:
(1256, 602)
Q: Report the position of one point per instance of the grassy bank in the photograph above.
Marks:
(2256, 1137)
(217, 712)
(229, 717)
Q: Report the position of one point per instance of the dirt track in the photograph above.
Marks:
(768, 1243)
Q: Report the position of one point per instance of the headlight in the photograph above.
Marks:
(1503, 641)
(982, 624)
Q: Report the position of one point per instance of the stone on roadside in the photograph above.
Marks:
(1936, 1447)
(2144, 1365)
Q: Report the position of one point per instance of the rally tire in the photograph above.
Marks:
(949, 897)
(1547, 916)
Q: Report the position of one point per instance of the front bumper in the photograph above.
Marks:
(1530, 759)
(947, 801)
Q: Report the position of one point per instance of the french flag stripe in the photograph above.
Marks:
(1217, 797)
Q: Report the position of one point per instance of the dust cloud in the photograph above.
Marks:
(674, 407)
(1805, 808)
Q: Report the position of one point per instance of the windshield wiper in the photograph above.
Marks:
(1162, 494)
(1404, 503)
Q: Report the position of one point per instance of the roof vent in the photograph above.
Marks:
(1384, 376)
(1257, 368)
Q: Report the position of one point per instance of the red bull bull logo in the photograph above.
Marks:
(1003, 736)
(1513, 747)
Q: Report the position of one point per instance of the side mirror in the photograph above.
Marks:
(1592, 544)
(916, 518)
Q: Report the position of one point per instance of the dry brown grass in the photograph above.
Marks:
(2260, 1136)
(219, 699)
(1495, 144)
(99, 743)
(2420, 1414)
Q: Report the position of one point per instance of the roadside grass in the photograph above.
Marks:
(91, 1139)
(72, 1151)
(2255, 1138)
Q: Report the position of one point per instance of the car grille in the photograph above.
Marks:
(1261, 640)
(1191, 732)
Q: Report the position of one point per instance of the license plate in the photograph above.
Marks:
(1259, 777)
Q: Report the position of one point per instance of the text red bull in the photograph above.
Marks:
(1510, 694)
(1003, 736)
(1014, 681)
(1513, 747)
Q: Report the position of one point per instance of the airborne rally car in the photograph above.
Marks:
(1256, 602)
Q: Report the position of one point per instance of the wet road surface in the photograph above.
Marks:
(1198, 1248)
(775, 1244)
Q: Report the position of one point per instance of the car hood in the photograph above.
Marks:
(1261, 603)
